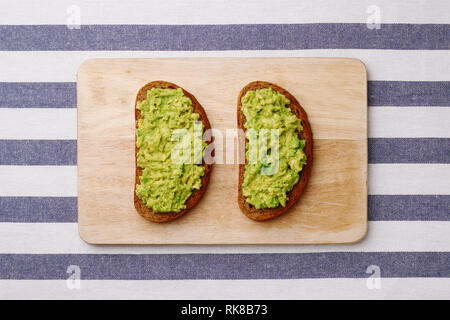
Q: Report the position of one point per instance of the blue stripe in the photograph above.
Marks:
(381, 150)
(225, 266)
(380, 93)
(409, 150)
(38, 94)
(38, 152)
(225, 37)
(380, 207)
(38, 209)
(409, 93)
(409, 207)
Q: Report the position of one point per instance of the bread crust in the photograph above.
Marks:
(270, 213)
(196, 195)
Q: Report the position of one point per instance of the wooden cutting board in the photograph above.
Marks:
(333, 208)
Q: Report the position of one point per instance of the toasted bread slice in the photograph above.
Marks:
(196, 195)
(270, 213)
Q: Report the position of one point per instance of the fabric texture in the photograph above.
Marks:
(406, 49)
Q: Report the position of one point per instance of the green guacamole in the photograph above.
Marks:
(165, 185)
(268, 109)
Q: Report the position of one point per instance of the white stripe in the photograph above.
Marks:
(383, 179)
(38, 123)
(409, 122)
(223, 12)
(409, 179)
(61, 66)
(58, 181)
(390, 288)
(383, 236)
(384, 122)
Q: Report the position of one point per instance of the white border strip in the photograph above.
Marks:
(38, 124)
(384, 122)
(399, 179)
(23, 12)
(409, 122)
(390, 288)
(35, 181)
(383, 236)
(387, 65)
(61, 181)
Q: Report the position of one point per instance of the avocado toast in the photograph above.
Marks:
(266, 196)
(164, 190)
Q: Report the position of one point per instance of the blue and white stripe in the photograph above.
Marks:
(224, 37)
(408, 63)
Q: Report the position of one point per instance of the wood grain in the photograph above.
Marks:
(333, 208)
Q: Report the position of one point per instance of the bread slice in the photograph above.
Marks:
(196, 195)
(269, 213)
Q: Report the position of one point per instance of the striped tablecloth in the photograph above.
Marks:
(406, 48)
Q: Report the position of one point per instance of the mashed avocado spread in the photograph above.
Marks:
(165, 185)
(264, 110)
